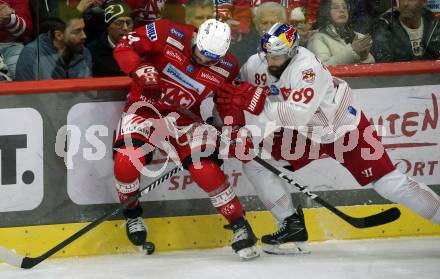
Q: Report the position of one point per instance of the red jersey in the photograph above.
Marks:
(20, 25)
(168, 46)
(146, 10)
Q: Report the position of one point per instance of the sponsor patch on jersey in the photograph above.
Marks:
(173, 55)
(135, 124)
(210, 77)
(175, 43)
(190, 69)
(176, 32)
(151, 32)
(352, 110)
(181, 78)
(285, 92)
(308, 75)
(274, 90)
(180, 96)
(219, 70)
(226, 63)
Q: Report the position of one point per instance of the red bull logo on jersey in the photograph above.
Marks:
(308, 75)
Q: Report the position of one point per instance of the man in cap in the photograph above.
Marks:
(118, 23)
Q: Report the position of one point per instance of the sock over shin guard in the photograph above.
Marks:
(272, 191)
(213, 181)
(127, 174)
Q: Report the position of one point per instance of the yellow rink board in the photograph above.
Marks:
(203, 231)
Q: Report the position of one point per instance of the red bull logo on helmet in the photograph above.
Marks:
(288, 35)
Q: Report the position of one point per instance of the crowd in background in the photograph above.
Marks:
(58, 39)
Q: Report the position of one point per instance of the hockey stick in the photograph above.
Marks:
(377, 219)
(17, 260)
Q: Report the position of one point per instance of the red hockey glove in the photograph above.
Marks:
(244, 96)
(241, 145)
(148, 79)
(230, 116)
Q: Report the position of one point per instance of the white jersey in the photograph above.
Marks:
(306, 97)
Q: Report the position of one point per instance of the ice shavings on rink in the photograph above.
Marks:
(402, 258)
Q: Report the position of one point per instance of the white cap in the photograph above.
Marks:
(213, 38)
(297, 14)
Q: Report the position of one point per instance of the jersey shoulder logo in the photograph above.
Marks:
(151, 31)
(226, 63)
(176, 32)
(308, 75)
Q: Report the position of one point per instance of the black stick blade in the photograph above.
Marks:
(378, 219)
(31, 262)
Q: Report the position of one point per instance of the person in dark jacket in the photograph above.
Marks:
(57, 54)
(410, 33)
(118, 23)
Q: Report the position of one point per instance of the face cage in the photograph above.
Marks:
(264, 55)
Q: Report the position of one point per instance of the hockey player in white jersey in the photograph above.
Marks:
(315, 109)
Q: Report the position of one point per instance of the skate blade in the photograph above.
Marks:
(287, 249)
(249, 253)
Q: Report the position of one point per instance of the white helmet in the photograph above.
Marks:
(280, 39)
(213, 38)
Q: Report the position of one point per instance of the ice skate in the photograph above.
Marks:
(244, 239)
(135, 226)
(291, 237)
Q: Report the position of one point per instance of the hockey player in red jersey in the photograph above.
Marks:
(170, 65)
(319, 115)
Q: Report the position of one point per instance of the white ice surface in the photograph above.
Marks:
(401, 258)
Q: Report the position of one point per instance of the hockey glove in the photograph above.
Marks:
(244, 96)
(148, 79)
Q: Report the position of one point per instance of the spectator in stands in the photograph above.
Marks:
(197, 11)
(15, 28)
(57, 54)
(145, 11)
(299, 20)
(119, 23)
(410, 33)
(66, 7)
(364, 13)
(40, 10)
(4, 74)
(265, 15)
(92, 12)
(336, 42)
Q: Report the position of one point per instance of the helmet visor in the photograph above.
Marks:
(205, 58)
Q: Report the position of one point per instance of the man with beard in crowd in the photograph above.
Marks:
(57, 54)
